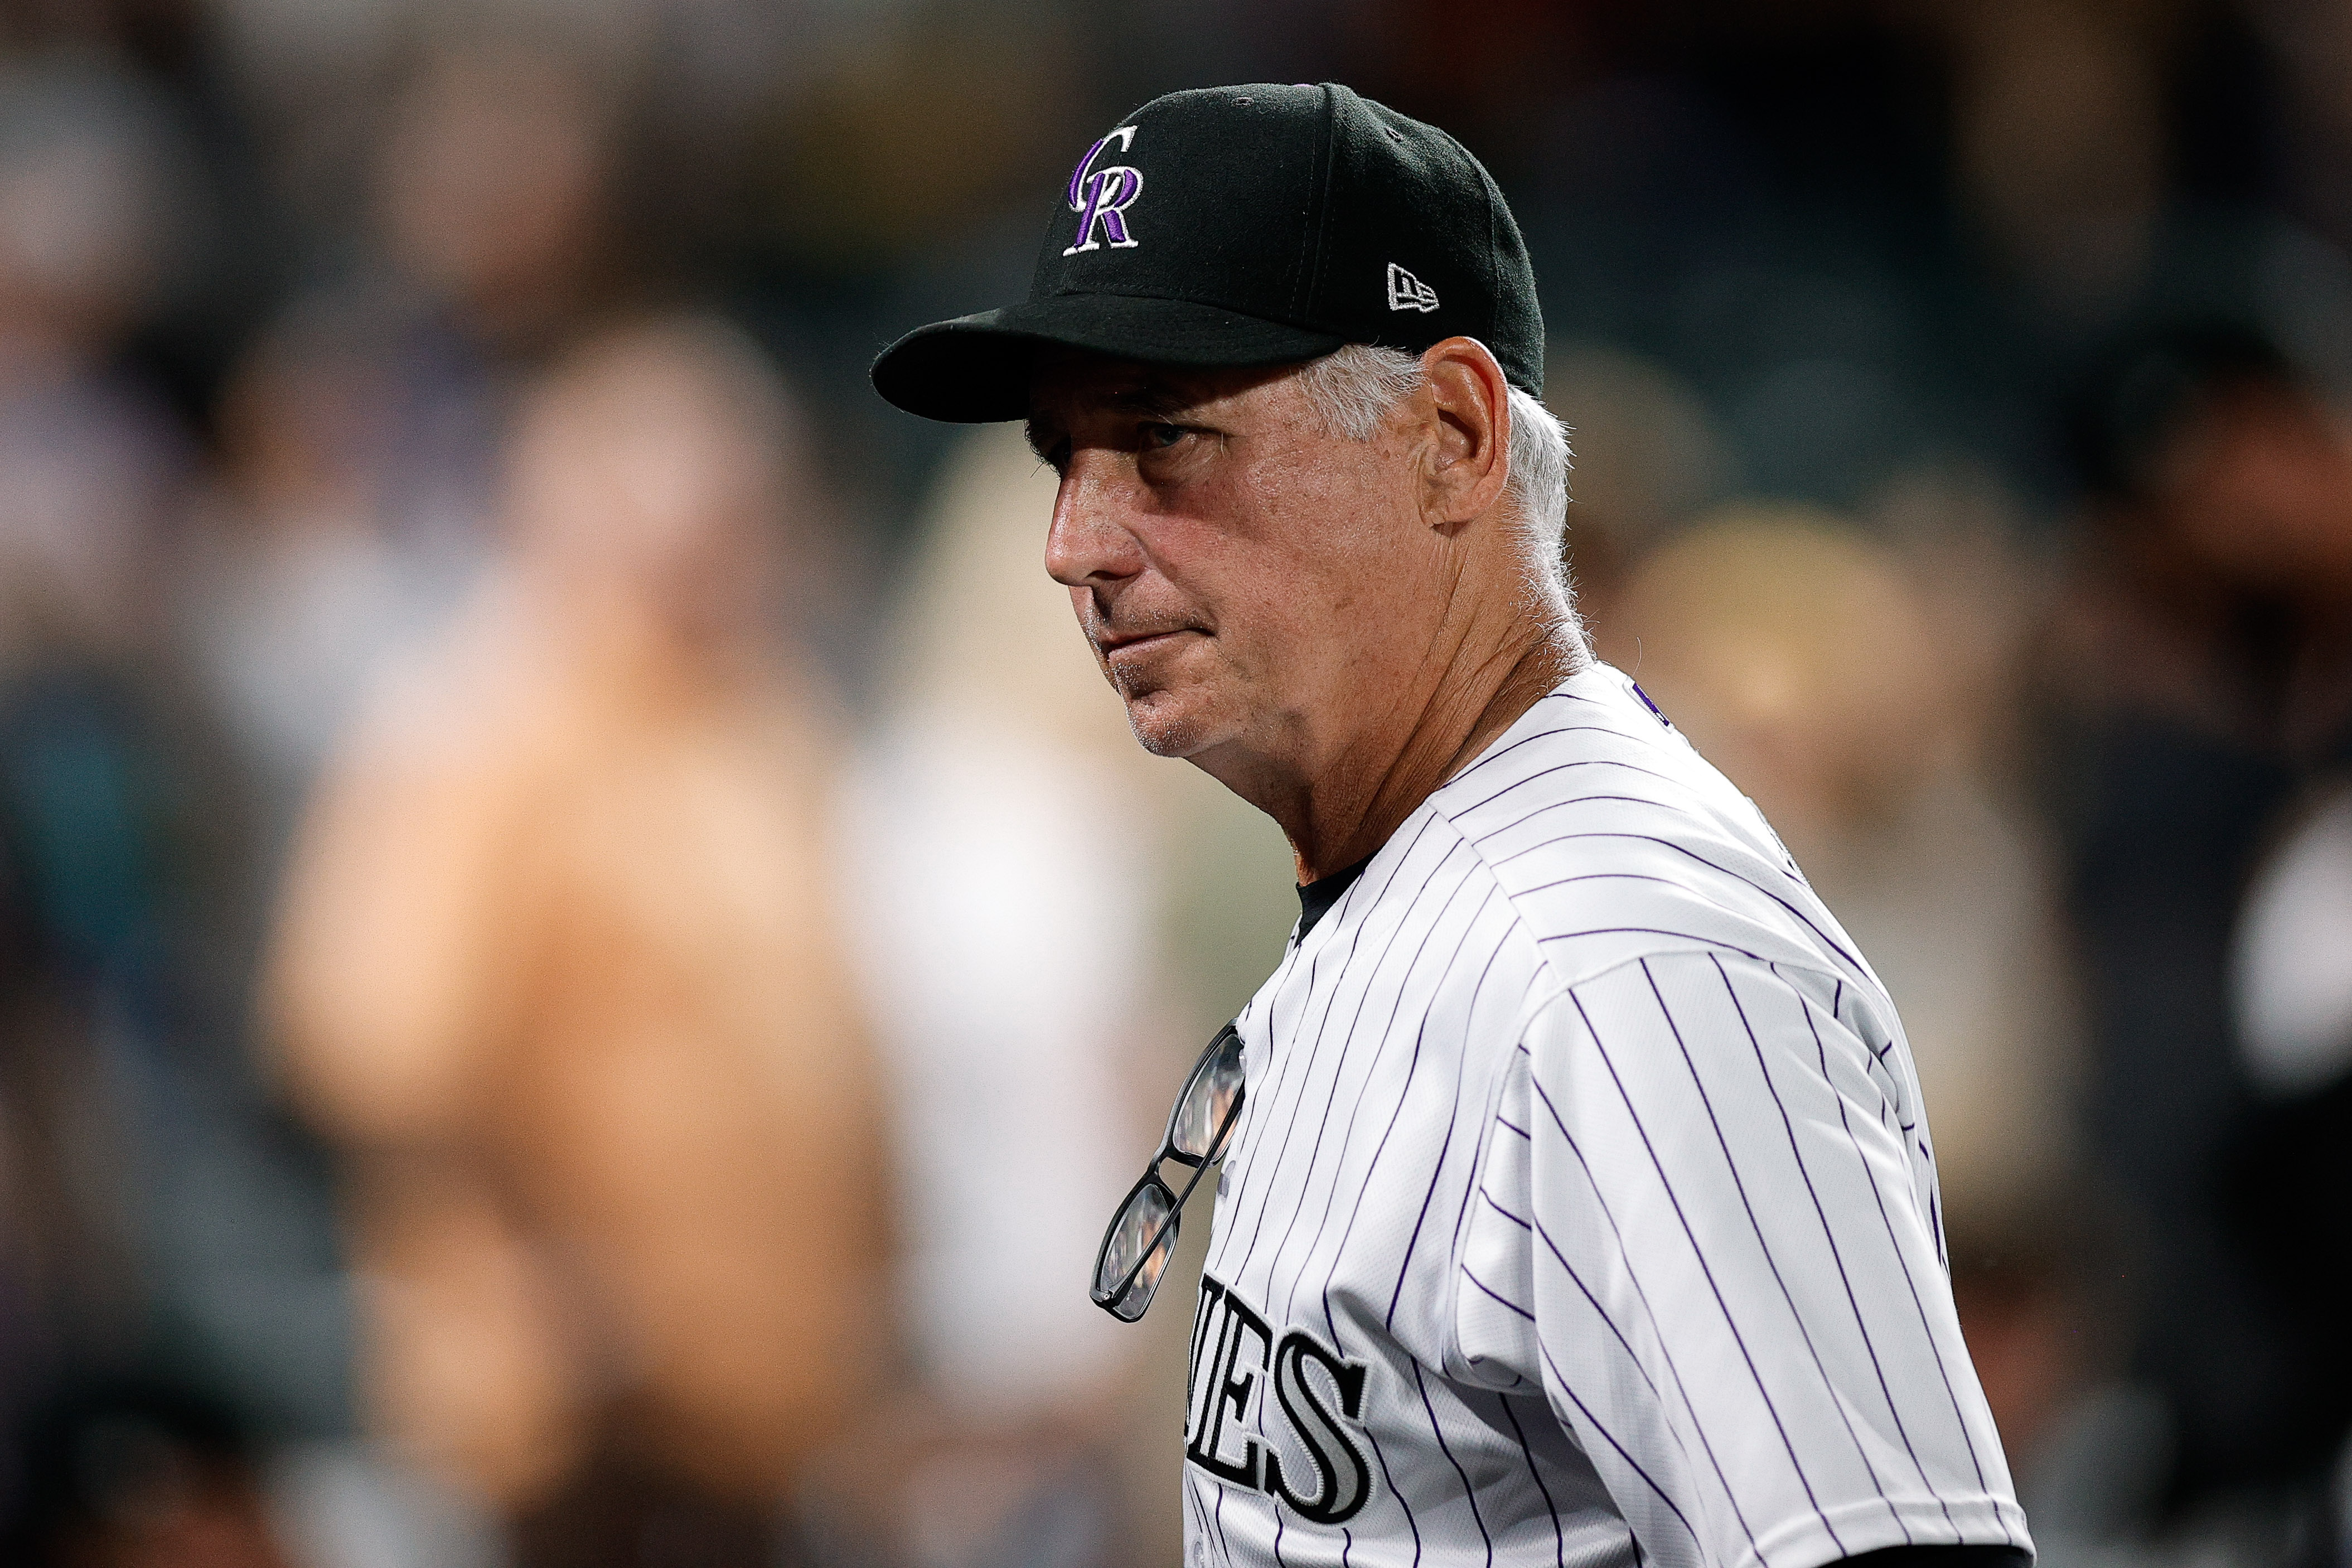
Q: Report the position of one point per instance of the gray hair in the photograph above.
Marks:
(1354, 388)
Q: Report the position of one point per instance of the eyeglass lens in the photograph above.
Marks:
(1148, 1220)
(1207, 1109)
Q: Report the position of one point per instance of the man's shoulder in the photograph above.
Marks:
(1612, 839)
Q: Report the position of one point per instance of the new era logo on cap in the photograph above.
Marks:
(1407, 292)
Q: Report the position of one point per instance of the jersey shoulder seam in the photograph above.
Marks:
(1779, 969)
(1540, 995)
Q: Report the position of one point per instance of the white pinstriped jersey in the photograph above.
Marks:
(1582, 1209)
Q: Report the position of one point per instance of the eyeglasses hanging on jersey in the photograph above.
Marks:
(1143, 1237)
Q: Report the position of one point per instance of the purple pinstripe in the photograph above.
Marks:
(1601, 1047)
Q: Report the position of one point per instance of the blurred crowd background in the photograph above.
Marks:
(583, 952)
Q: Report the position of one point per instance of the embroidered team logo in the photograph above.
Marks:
(1101, 197)
(1255, 1403)
(1407, 292)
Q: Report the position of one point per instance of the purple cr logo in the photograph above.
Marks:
(1101, 197)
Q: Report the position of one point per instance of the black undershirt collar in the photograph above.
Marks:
(1315, 898)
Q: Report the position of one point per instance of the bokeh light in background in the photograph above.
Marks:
(582, 951)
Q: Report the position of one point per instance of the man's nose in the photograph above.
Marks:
(1090, 543)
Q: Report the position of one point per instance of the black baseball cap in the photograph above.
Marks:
(1247, 226)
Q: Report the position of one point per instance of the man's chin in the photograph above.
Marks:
(1167, 725)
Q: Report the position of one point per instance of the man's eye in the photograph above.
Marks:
(1160, 437)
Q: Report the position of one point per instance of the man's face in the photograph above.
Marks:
(1241, 573)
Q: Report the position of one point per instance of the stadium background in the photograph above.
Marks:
(582, 955)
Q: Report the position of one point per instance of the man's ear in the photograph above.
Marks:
(1465, 463)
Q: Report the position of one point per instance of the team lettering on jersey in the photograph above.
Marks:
(1317, 1396)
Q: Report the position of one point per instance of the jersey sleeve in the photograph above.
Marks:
(1706, 1230)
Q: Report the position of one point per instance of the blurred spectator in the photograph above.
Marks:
(2059, 144)
(298, 586)
(1647, 457)
(559, 971)
(2201, 665)
(498, 186)
(1797, 655)
(93, 459)
(1055, 923)
(360, 431)
(119, 809)
(493, 187)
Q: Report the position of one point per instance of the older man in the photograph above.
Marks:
(1577, 1201)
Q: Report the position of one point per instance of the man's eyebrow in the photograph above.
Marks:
(1151, 400)
(1156, 397)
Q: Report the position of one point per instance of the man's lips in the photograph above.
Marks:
(1111, 645)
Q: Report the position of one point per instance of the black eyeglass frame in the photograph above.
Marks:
(1168, 1229)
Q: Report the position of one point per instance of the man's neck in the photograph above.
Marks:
(1345, 809)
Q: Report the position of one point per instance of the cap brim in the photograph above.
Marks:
(975, 369)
